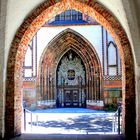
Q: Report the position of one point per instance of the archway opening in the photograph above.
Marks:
(67, 60)
(71, 81)
(65, 41)
(19, 46)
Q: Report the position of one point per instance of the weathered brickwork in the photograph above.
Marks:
(28, 29)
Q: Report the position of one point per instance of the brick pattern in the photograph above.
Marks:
(27, 30)
(118, 77)
(29, 79)
(112, 84)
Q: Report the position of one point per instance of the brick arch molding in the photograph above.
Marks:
(25, 33)
(62, 43)
(69, 39)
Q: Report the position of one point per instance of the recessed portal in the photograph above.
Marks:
(71, 81)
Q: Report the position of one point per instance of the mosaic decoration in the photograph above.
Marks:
(71, 71)
(71, 74)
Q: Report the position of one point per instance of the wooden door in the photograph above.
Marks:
(67, 98)
(71, 98)
(75, 98)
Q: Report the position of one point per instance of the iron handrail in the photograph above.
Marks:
(117, 119)
(31, 114)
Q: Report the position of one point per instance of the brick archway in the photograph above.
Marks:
(27, 30)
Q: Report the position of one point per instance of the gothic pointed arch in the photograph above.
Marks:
(85, 54)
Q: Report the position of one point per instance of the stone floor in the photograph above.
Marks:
(68, 137)
(70, 124)
(71, 121)
(69, 110)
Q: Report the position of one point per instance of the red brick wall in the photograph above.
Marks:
(29, 94)
(112, 84)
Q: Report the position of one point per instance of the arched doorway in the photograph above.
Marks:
(71, 81)
(19, 47)
(69, 42)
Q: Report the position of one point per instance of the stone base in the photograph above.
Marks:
(46, 104)
(95, 105)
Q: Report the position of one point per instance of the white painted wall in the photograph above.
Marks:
(93, 33)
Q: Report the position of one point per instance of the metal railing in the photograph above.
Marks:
(31, 119)
(116, 123)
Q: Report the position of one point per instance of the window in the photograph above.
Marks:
(28, 57)
(112, 59)
(112, 55)
(28, 63)
(28, 73)
(69, 15)
(79, 16)
(30, 60)
(74, 15)
(57, 18)
(62, 16)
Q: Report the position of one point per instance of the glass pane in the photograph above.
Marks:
(28, 57)
(79, 16)
(68, 15)
(74, 15)
(111, 55)
(112, 71)
(114, 93)
(63, 16)
(28, 73)
(57, 18)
